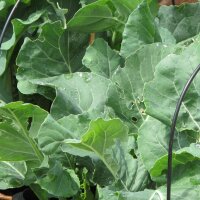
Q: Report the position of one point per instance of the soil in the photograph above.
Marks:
(178, 2)
(23, 193)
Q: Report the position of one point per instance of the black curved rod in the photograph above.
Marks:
(7, 21)
(173, 2)
(173, 127)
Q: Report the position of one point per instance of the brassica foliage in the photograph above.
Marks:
(92, 121)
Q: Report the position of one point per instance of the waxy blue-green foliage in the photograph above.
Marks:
(104, 109)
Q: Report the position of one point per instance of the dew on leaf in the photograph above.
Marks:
(81, 74)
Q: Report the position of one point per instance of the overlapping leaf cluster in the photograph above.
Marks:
(92, 122)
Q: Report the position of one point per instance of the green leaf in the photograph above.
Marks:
(153, 143)
(181, 21)
(61, 12)
(5, 88)
(95, 17)
(109, 112)
(167, 37)
(180, 157)
(125, 95)
(185, 183)
(140, 29)
(108, 132)
(4, 7)
(77, 93)
(40, 193)
(12, 174)
(107, 141)
(19, 29)
(48, 56)
(125, 7)
(161, 94)
(108, 194)
(52, 133)
(17, 122)
(101, 59)
(59, 181)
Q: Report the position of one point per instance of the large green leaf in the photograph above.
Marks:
(125, 95)
(63, 10)
(108, 194)
(107, 141)
(95, 17)
(17, 123)
(180, 157)
(185, 185)
(19, 27)
(181, 21)
(140, 29)
(53, 132)
(161, 94)
(153, 143)
(77, 93)
(166, 36)
(53, 135)
(59, 181)
(12, 174)
(60, 11)
(49, 55)
(101, 59)
(125, 7)
(102, 15)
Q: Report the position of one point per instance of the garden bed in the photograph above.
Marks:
(87, 93)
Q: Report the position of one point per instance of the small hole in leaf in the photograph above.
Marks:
(134, 119)
(132, 152)
(30, 119)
